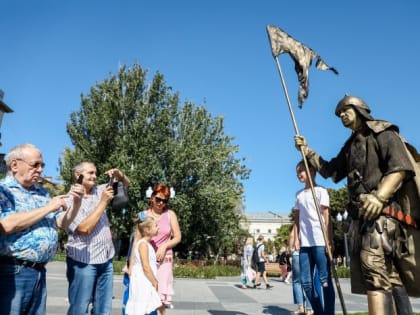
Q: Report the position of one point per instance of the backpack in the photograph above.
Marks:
(255, 258)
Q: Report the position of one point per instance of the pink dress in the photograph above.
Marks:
(164, 273)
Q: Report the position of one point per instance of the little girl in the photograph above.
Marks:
(143, 296)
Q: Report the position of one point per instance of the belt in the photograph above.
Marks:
(6, 260)
(399, 215)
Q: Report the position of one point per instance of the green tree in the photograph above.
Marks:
(282, 237)
(140, 127)
(338, 202)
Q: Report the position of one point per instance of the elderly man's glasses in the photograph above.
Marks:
(34, 164)
(158, 200)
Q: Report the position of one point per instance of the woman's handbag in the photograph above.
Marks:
(250, 274)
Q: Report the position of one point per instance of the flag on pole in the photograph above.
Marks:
(281, 43)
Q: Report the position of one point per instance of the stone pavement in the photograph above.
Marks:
(222, 296)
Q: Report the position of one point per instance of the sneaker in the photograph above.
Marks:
(268, 286)
(286, 281)
(300, 311)
(257, 285)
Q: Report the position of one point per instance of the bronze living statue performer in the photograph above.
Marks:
(383, 206)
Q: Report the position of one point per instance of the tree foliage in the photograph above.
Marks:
(282, 237)
(338, 205)
(141, 128)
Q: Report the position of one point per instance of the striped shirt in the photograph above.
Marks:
(96, 247)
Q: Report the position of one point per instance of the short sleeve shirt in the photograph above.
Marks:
(96, 247)
(38, 243)
(260, 251)
(310, 232)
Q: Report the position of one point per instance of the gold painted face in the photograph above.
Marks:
(349, 117)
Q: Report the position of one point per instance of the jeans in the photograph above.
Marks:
(298, 295)
(311, 257)
(90, 283)
(22, 290)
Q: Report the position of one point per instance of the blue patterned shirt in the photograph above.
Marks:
(37, 243)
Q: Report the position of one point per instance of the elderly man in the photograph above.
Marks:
(28, 224)
(380, 182)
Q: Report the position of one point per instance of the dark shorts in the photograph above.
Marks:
(261, 266)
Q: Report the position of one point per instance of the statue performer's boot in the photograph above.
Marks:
(380, 302)
(402, 302)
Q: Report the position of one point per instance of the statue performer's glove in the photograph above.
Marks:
(371, 206)
(300, 144)
(373, 203)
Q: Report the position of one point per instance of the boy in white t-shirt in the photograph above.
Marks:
(311, 241)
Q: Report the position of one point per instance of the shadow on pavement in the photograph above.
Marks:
(275, 310)
(214, 312)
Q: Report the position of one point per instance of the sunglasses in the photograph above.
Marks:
(34, 164)
(158, 200)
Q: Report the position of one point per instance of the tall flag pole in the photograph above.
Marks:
(281, 42)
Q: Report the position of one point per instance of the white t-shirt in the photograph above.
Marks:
(260, 251)
(310, 233)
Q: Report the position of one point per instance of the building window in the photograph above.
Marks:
(269, 231)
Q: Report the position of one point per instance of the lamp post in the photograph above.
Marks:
(3, 109)
(342, 218)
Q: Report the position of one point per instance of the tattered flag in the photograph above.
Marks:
(281, 43)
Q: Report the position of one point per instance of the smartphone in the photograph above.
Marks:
(111, 181)
(80, 179)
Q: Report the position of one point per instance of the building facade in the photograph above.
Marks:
(264, 223)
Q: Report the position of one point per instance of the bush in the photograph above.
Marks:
(205, 272)
(60, 256)
(118, 266)
(343, 272)
(185, 268)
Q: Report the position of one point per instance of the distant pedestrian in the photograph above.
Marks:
(248, 274)
(261, 272)
(285, 265)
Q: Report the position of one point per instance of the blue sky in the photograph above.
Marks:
(214, 53)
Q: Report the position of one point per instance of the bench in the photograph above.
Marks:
(273, 269)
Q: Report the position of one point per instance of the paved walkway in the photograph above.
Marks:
(222, 296)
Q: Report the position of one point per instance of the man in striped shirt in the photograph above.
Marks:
(90, 249)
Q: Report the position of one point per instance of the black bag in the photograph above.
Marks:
(255, 258)
(283, 258)
(120, 199)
